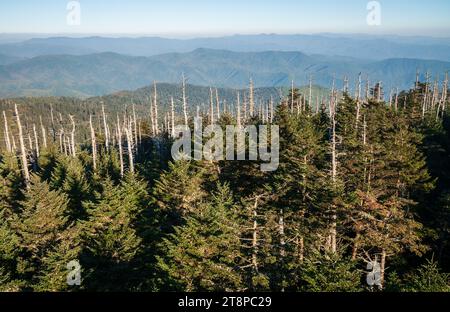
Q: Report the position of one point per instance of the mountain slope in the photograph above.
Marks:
(359, 46)
(98, 74)
(6, 59)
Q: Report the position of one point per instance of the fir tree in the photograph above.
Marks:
(329, 272)
(179, 191)
(69, 177)
(112, 238)
(44, 230)
(203, 254)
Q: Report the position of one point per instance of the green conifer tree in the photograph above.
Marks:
(203, 254)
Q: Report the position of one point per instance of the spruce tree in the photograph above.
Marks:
(69, 177)
(45, 233)
(112, 238)
(178, 192)
(203, 254)
(329, 272)
(9, 253)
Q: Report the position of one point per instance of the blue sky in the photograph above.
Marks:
(214, 17)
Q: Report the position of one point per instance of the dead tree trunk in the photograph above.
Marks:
(72, 137)
(346, 86)
(245, 108)
(105, 127)
(7, 140)
(443, 101)
(130, 148)
(94, 144)
(255, 236)
(211, 107)
(172, 118)
(251, 99)
(53, 123)
(135, 130)
(425, 98)
(119, 142)
(23, 151)
(281, 233)
(333, 233)
(367, 91)
(238, 109)
(155, 105)
(310, 92)
(217, 104)
(396, 100)
(271, 109)
(382, 267)
(184, 103)
(61, 138)
(152, 117)
(36, 141)
(44, 133)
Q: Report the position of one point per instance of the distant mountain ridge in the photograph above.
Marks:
(104, 73)
(358, 46)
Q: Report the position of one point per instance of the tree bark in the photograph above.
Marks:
(130, 148)
(7, 140)
(211, 107)
(72, 137)
(119, 142)
(53, 123)
(36, 141)
(105, 126)
(44, 133)
(255, 236)
(382, 267)
(155, 105)
(172, 117)
(251, 99)
(93, 143)
(333, 172)
(184, 103)
(238, 109)
(23, 151)
(135, 130)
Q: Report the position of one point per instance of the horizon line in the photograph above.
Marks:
(199, 35)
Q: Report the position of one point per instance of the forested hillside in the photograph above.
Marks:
(366, 46)
(104, 73)
(39, 110)
(360, 178)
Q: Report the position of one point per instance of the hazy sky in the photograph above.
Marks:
(214, 17)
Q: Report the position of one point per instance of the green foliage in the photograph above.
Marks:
(228, 226)
(70, 178)
(428, 278)
(329, 273)
(111, 236)
(203, 254)
(178, 192)
(48, 239)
